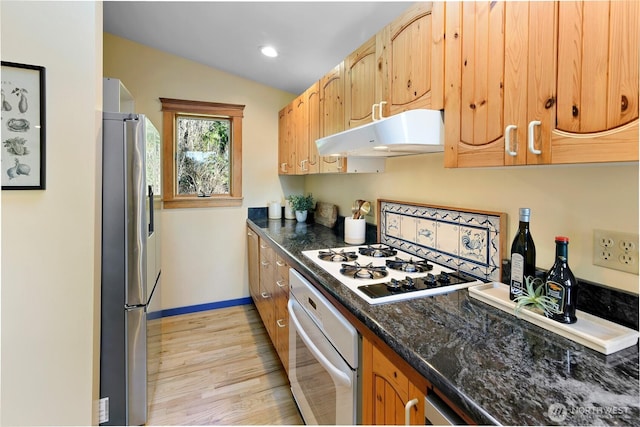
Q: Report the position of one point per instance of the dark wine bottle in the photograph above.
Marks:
(561, 285)
(523, 256)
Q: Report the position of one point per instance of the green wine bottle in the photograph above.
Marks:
(561, 285)
(523, 256)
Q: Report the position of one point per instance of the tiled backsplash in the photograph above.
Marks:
(462, 239)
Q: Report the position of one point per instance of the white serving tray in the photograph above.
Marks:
(591, 331)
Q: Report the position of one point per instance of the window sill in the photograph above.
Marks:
(202, 202)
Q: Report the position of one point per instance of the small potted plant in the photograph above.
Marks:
(301, 205)
(534, 299)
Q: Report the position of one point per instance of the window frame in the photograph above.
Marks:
(234, 113)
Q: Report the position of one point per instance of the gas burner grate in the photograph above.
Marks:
(409, 266)
(337, 256)
(379, 251)
(368, 271)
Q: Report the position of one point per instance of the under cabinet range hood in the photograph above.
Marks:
(411, 132)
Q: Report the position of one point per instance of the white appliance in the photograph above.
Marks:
(323, 357)
(410, 132)
(381, 274)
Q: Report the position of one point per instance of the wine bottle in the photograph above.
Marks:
(523, 256)
(561, 285)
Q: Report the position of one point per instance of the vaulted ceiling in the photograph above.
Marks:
(311, 37)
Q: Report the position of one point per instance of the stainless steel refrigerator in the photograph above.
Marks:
(127, 204)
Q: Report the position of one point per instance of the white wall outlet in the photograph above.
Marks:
(616, 250)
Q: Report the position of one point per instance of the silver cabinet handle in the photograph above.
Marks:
(265, 295)
(532, 125)
(507, 140)
(407, 411)
(280, 323)
(280, 263)
(249, 233)
(283, 167)
(264, 263)
(280, 283)
(373, 112)
(340, 165)
(302, 162)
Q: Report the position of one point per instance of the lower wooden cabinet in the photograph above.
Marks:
(389, 397)
(269, 289)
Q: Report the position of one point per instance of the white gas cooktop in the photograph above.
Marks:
(369, 273)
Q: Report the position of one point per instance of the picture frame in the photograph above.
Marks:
(23, 129)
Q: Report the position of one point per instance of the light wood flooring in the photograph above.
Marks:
(217, 367)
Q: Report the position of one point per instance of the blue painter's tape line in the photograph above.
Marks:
(196, 308)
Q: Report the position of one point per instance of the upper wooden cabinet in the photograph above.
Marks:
(400, 68)
(312, 96)
(535, 83)
(286, 152)
(363, 84)
(332, 114)
(411, 52)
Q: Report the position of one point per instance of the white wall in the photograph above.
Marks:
(50, 244)
(204, 250)
(564, 200)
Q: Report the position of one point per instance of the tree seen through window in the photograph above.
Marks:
(203, 155)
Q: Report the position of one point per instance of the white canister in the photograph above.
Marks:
(288, 212)
(354, 230)
(275, 210)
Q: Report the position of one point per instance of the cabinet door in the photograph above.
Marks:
(597, 82)
(362, 88)
(332, 114)
(300, 142)
(312, 96)
(254, 264)
(286, 165)
(281, 312)
(476, 95)
(265, 303)
(413, 64)
(386, 391)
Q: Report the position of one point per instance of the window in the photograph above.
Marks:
(202, 153)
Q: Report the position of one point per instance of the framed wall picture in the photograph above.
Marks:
(23, 127)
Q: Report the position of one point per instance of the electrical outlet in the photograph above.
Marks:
(616, 250)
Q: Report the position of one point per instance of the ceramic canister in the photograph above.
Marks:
(354, 230)
(275, 210)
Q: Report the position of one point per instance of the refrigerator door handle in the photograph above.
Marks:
(151, 221)
(136, 189)
(129, 307)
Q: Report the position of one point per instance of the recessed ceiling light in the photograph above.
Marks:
(269, 51)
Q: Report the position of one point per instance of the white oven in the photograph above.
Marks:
(323, 357)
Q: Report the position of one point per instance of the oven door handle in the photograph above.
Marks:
(338, 376)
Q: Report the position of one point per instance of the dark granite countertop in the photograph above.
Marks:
(495, 367)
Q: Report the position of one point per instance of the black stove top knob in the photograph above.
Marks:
(430, 279)
(408, 283)
(444, 277)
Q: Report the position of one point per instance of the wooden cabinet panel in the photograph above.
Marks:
(363, 86)
(300, 139)
(413, 62)
(332, 114)
(386, 390)
(312, 96)
(281, 312)
(286, 153)
(265, 301)
(597, 82)
(269, 289)
(254, 263)
(541, 82)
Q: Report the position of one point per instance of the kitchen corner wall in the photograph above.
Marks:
(204, 250)
(568, 200)
(50, 313)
